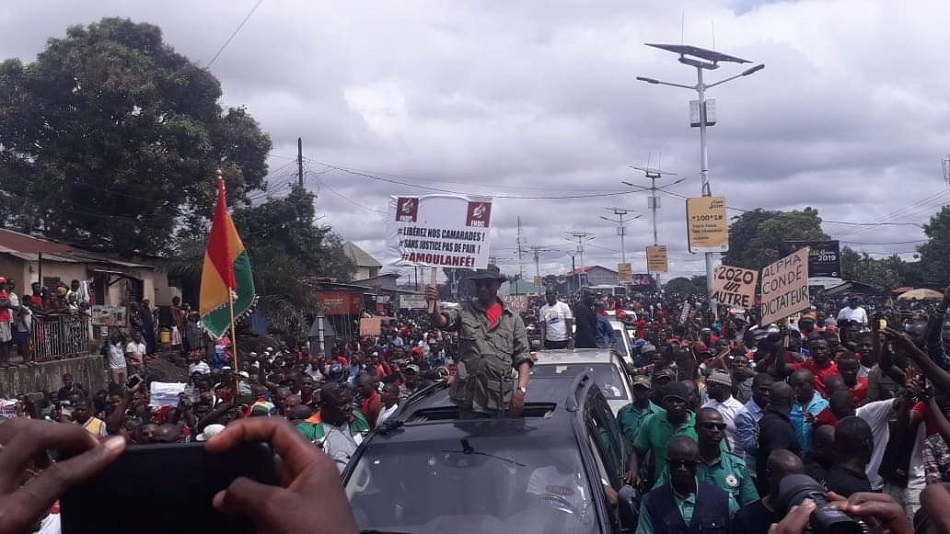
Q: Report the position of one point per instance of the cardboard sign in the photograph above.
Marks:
(707, 225)
(624, 272)
(370, 326)
(785, 287)
(684, 313)
(517, 303)
(735, 287)
(657, 259)
(439, 231)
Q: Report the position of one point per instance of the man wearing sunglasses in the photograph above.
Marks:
(685, 504)
(724, 470)
(493, 353)
(656, 431)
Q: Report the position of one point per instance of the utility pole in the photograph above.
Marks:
(300, 161)
(653, 201)
(574, 284)
(536, 252)
(621, 228)
(581, 237)
(521, 246)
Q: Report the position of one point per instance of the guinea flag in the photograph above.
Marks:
(226, 272)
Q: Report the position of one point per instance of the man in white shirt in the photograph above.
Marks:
(853, 312)
(135, 352)
(116, 356)
(390, 398)
(556, 322)
(719, 388)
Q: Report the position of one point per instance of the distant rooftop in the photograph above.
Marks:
(360, 256)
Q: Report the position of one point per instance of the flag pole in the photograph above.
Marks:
(236, 368)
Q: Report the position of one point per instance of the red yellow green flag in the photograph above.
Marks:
(226, 272)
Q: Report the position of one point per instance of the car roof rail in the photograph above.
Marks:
(580, 382)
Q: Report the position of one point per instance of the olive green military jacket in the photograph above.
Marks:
(488, 357)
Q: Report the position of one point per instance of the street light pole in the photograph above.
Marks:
(621, 228)
(702, 59)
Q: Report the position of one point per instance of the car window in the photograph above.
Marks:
(606, 432)
(606, 375)
(476, 484)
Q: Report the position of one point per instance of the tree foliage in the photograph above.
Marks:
(935, 253)
(686, 286)
(112, 139)
(754, 236)
(884, 273)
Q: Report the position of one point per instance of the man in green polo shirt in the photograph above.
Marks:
(721, 469)
(631, 416)
(656, 431)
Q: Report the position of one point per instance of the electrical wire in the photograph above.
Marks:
(234, 33)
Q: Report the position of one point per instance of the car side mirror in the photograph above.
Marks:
(629, 507)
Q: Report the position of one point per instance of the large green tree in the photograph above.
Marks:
(754, 236)
(883, 273)
(935, 253)
(113, 139)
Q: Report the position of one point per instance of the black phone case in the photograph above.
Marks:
(165, 488)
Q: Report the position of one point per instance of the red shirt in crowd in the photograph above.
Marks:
(860, 391)
(821, 373)
(371, 407)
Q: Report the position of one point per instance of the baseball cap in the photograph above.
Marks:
(720, 377)
(677, 390)
(209, 432)
(642, 380)
(647, 347)
(412, 367)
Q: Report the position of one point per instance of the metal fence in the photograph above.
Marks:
(56, 337)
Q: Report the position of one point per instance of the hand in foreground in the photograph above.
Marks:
(22, 440)
(795, 520)
(880, 511)
(311, 496)
(517, 403)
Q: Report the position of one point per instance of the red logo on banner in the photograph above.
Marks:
(479, 214)
(407, 209)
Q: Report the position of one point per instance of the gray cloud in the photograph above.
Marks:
(528, 99)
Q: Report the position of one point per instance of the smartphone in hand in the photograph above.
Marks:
(165, 488)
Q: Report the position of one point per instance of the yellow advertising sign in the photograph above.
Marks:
(538, 281)
(657, 261)
(707, 225)
(624, 272)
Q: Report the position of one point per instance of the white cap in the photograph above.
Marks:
(210, 431)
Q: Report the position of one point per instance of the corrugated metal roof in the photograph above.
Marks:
(360, 256)
(29, 248)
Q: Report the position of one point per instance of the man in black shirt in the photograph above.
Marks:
(774, 431)
(585, 336)
(822, 455)
(853, 445)
(758, 516)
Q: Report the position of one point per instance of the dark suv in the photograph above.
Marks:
(427, 471)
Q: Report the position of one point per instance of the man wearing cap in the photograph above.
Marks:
(493, 352)
(719, 389)
(632, 415)
(556, 321)
(656, 431)
(410, 383)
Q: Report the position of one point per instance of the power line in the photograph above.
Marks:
(234, 33)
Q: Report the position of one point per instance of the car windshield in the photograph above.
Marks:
(606, 376)
(494, 484)
(619, 343)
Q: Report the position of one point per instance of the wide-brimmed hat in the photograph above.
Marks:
(492, 272)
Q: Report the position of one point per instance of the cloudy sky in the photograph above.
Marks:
(536, 103)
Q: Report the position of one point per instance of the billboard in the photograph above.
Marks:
(707, 227)
(624, 272)
(824, 257)
(656, 259)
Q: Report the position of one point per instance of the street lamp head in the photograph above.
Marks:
(753, 70)
(648, 80)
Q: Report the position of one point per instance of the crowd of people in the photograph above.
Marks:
(724, 409)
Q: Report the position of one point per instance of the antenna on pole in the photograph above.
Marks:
(945, 163)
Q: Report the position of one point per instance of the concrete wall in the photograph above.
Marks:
(15, 268)
(89, 371)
